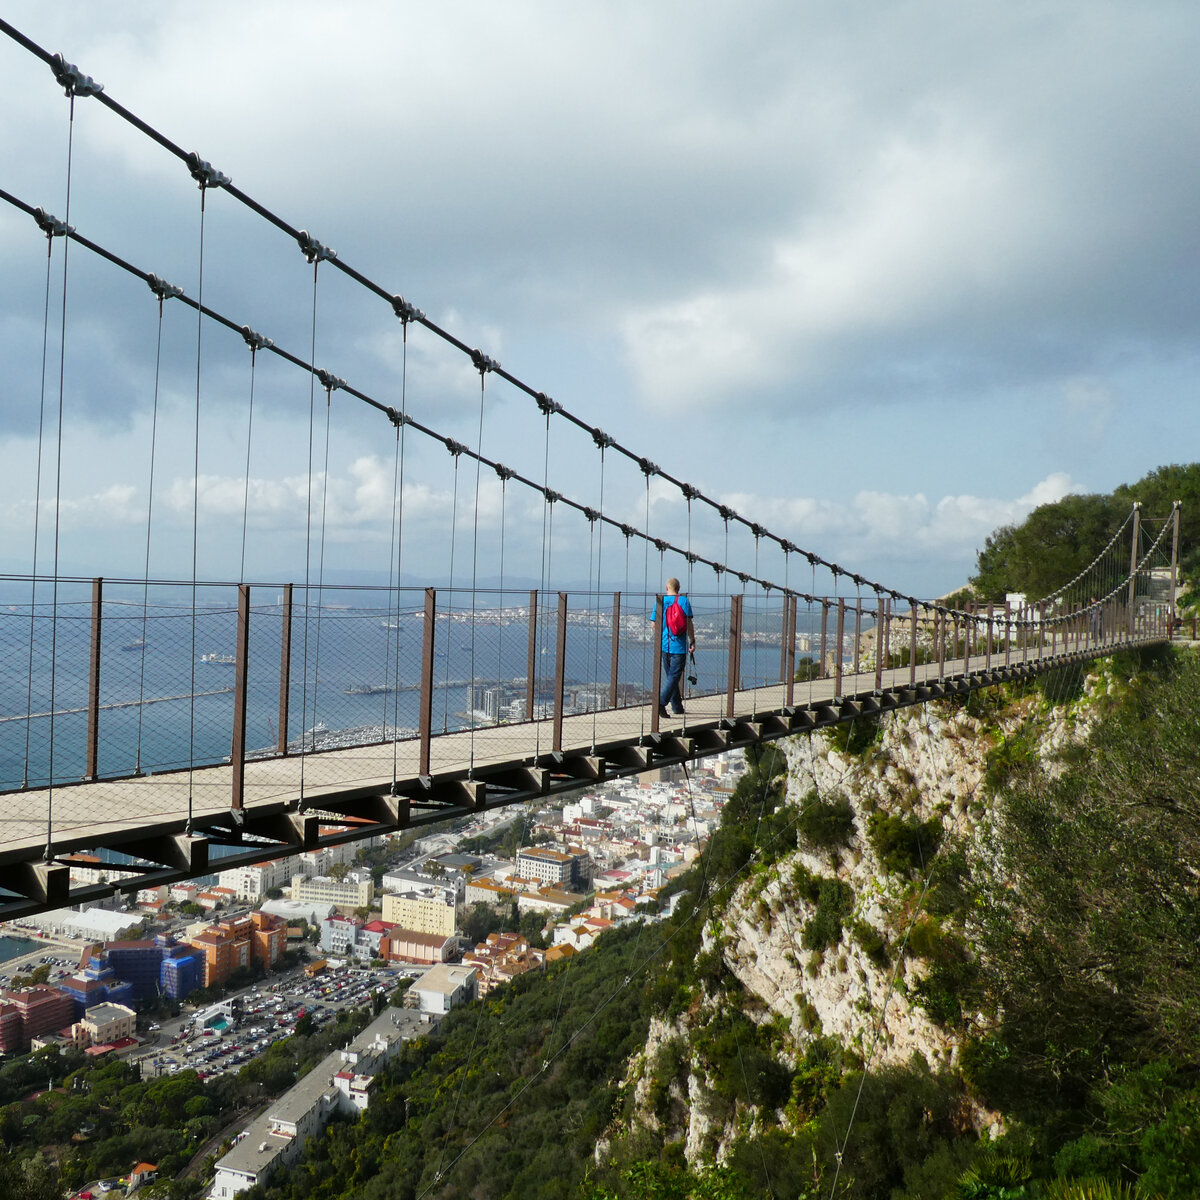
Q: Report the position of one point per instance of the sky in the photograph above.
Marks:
(881, 277)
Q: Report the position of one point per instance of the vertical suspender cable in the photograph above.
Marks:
(399, 539)
(475, 574)
(37, 500)
(149, 528)
(312, 417)
(547, 534)
(195, 515)
(321, 559)
(450, 602)
(249, 443)
(62, 371)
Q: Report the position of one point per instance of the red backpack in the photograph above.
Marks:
(675, 618)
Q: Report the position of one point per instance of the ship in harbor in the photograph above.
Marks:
(219, 659)
(140, 644)
(369, 689)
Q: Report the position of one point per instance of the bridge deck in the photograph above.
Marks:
(128, 810)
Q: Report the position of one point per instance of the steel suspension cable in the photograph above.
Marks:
(62, 375)
(450, 599)
(37, 496)
(149, 530)
(196, 510)
(475, 574)
(401, 427)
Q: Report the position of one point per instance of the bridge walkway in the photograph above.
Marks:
(169, 822)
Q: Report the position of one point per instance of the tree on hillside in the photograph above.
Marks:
(1057, 541)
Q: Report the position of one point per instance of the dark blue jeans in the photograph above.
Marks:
(672, 670)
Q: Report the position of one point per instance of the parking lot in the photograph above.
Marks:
(266, 1013)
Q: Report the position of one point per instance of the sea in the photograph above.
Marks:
(11, 947)
(166, 672)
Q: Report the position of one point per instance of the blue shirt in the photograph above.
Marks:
(673, 643)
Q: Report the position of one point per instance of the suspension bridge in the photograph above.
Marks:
(171, 723)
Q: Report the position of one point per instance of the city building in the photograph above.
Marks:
(38, 1009)
(423, 911)
(568, 869)
(104, 1024)
(341, 1083)
(444, 987)
(501, 957)
(258, 938)
(324, 889)
(406, 945)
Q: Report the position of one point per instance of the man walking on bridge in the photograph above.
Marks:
(678, 637)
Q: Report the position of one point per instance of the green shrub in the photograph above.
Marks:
(825, 824)
(835, 900)
(856, 735)
(904, 844)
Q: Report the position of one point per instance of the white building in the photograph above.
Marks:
(341, 1082)
(444, 986)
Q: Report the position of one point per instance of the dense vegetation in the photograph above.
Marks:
(66, 1119)
(1060, 947)
(1056, 541)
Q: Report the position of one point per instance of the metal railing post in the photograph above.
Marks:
(837, 657)
(237, 753)
(1133, 562)
(857, 637)
(560, 670)
(912, 642)
(1175, 512)
(1008, 635)
(656, 669)
(425, 714)
(991, 612)
(616, 649)
(968, 634)
(821, 674)
(285, 668)
(793, 603)
(93, 710)
(735, 655)
(880, 644)
(531, 659)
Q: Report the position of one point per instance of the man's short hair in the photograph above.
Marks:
(672, 585)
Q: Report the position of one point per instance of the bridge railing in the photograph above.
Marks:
(110, 679)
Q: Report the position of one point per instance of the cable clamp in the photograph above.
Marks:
(313, 250)
(552, 497)
(591, 514)
(483, 364)
(255, 341)
(689, 493)
(52, 227)
(719, 568)
(693, 559)
(330, 382)
(628, 531)
(162, 289)
(727, 513)
(204, 173)
(602, 440)
(648, 468)
(757, 530)
(813, 559)
(547, 405)
(661, 546)
(745, 579)
(74, 82)
(405, 311)
(455, 448)
(504, 472)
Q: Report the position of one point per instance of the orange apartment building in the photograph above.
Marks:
(240, 942)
